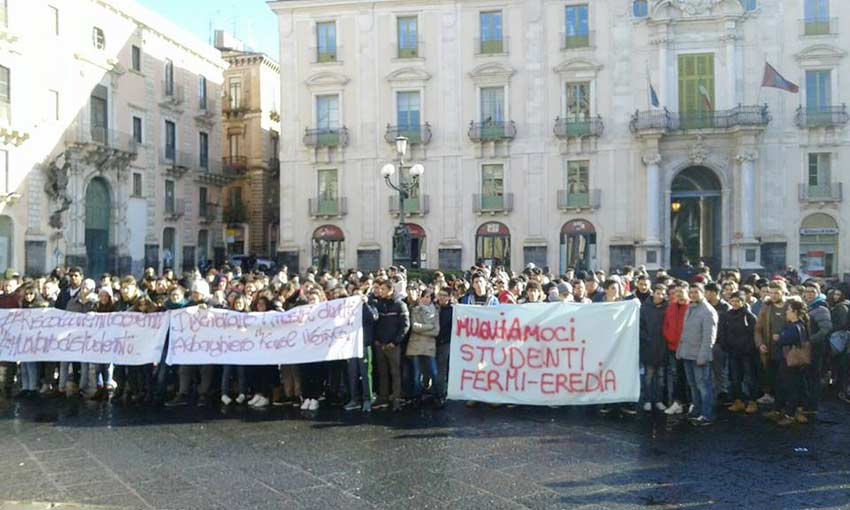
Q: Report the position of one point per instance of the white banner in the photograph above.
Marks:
(322, 332)
(48, 334)
(546, 353)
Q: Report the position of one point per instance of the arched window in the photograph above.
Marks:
(640, 9)
(819, 245)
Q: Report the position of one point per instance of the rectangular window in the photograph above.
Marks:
(412, 202)
(53, 104)
(202, 201)
(328, 191)
(4, 172)
(235, 197)
(53, 18)
(696, 90)
(578, 184)
(235, 93)
(749, 5)
(492, 104)
(491, 32)
(408, 42)
(99, 119)
(818, 90)
(5, 96)
(169, 78)
(327, 120)
(137, 184)
(578, 101)
(137, 58)
(640, 9)
(326, 41)
(170, 140)
(492, 187)
(203, 149)
(577, 33)
(819, 177)
(233, 144)
(202, 93)
(816, 21)
(137, 129)
(169, 196)
(408, 105)
(4, 13)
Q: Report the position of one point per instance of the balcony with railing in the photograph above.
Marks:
(235, 213)
(176, 163)
(235, 105)
(578, 128)
(326, 55)
(831, 192)
(419, 134)
(208, 213)
(818, 26)
(235, 164)
(413, 206)
(492, 131)
(568, 200)
(665, 121)
(493, 46)
(822, 117)
(99, 137)
(326, 137)
(328, 207)
(492, 204)
(410, 51)
(577, 41)
(172, 94)
(174, 209)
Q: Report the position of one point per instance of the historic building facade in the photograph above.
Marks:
(542, 140)
(110, 152)
(251, 130)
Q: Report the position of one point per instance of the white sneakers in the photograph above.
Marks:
(675, 408)
(254, 399)
(660, 406)
(240, 399)
(226, 400)
(647, 407)
(259, 402)
(310, 404)
(766, 400)
(314, 405)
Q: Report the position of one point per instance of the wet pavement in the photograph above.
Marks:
(109, 456)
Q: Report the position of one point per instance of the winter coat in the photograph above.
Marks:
(488, 300)
(771, 320)
(736, 333)
(77, 306)
(66, 297)
(424, 328)
(445, 334)
(653, 348)
(370, 317)
(698, 334)
(674, 321)
(820, 320)
(841, 316)
(393, 321)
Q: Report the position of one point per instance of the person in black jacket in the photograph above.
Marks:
(653, 347)
(444, 337)
(390, 329)
(736, 336)
(360, 369)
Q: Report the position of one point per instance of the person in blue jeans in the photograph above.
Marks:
(422, 347)
(698, 336)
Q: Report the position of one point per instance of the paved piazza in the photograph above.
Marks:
(89, 456)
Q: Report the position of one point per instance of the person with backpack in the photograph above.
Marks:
(791, 376)
(820, 328)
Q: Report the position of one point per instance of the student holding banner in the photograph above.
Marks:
(653, 348)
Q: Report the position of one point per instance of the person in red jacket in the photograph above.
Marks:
(674, 322)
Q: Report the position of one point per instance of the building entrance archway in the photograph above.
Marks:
(695, 218)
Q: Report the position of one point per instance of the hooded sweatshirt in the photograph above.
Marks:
(820, 320)
(674, 323)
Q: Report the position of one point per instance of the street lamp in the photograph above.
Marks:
(401, 236)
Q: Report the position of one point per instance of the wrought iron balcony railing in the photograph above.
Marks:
(419, 134)
(326, 137)
(822, 116)
(586, 200)
(503, 203)
(492, 131)
(831, 192)
(420, 205)
(665, 120)
(328, 206)
(578, 128)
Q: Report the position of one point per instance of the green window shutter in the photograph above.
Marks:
(695, 71)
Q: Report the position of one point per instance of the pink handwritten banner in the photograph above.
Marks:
(546, 354)
(48, 334)
(321, 332)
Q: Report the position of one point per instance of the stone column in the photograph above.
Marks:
(653, 197)
(747, 204)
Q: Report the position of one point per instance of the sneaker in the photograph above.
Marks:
(226, 400)
(380, 404)
(306, 404)
(254, 399)
(766, 400)
(701, 421)
(785, 420)
(737, 407)
(690, 410)
(647, 407)
(604, 410)
(660, 406)
(314, 405)
(297, 402)
(45, 388)
(260, 402)
(351, 406)
(629, 410)
(179, 400)
(752, 407)
(240, 399)
(367, 407)
(772, 415)
(675, 408)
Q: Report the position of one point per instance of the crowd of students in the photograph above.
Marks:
(752, 345)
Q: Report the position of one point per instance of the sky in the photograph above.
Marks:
(250, 20)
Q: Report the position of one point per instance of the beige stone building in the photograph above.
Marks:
(250, 135)
(109, 145)
(534, 122)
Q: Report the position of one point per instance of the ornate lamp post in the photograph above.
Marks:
(401, 236)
